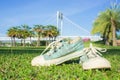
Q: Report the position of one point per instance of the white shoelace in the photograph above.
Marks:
(52, 46)
(91, 52)
(95, 50)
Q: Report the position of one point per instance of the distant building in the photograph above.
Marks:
(92, 38)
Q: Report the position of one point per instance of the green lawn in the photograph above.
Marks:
(15, 65)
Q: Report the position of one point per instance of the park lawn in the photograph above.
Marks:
(15, 65)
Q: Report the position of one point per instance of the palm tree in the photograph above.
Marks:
(101, 27)
(20, 34)
(31, 34)
(12, 32)
(38, 30)
(115, 21)
(25, 32)
(55, 32)
(107, 23)
(9, 33)
(51, 32)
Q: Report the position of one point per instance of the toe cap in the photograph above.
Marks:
(96, 63)
(38, 61)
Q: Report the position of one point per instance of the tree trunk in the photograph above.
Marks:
(30, 41)
(108, 36)
(46, 41)
(38, 41)
(107, 42)
(24, 43)
(49, 40)
(55, 38)
(113, 32)
(21, 42)
(13, 41)
(105, 36)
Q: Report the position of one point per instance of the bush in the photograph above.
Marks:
(86, 39)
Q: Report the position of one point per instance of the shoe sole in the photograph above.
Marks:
(96, 63)
(40, 61)
(63, 59)
(69, 57)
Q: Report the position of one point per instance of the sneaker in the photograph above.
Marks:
(61, 51)
(92, 59)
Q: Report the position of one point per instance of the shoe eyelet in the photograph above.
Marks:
(59, 48)
(55, 51)
(61, 41)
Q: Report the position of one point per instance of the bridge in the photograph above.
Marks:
(67, 28)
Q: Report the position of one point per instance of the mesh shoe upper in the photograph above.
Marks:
(64, 47)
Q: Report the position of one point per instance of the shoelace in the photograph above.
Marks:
(95, 50)
(53, 45)
(91, 52)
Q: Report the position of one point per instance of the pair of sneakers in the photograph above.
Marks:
(66, 49)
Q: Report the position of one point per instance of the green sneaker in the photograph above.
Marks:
(61, 51)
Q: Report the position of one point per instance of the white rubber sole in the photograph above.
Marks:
(40, 61)
(96, 63)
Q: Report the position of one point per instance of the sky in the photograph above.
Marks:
(31, 12)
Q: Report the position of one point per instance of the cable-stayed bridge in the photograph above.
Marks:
(67, 28)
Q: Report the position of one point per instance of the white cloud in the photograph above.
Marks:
(37, 13)
(82, 6)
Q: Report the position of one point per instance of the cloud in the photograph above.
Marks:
(81, 6)
(40, 12)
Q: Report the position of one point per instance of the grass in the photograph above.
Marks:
(16, 65)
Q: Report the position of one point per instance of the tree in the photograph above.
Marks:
(51, 32)
(25, 29)
(31, 34)
(19, 35)
(38, 30)
(107, 23)
(12, 32)
(54, 32)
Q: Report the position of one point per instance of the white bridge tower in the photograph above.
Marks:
(60, 21)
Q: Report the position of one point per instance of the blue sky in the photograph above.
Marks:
(31, 12)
